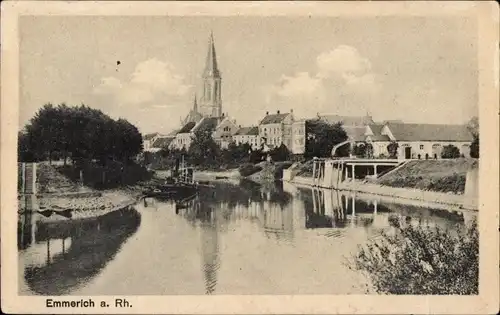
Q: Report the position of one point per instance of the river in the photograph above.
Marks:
(236, 238)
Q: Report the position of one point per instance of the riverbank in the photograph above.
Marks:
(430, 183)
(59, 194)
(418, 197)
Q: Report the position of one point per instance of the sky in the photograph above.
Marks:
(416, 69)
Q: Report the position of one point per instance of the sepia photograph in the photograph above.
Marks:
(216, 154)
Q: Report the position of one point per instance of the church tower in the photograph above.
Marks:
(211, 102)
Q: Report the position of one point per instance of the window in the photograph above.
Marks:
(421, 147)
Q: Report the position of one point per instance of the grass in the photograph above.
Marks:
(433, 175)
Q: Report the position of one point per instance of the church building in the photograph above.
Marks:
(208, 108)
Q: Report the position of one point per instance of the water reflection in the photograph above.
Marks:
(239, 236)
(61, 255)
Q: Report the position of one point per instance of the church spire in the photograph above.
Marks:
(195, 105)
(211, 69)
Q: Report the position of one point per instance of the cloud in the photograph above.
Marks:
(343, 79)
(299, 84)
(153, 81)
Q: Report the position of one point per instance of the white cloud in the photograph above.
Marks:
(341, 71)
(299, 84)
(344, 61)
(153, 80)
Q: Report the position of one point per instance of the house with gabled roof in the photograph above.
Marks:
(186, 134)
(148, 139)
(224, 131)
(276, 129)
(418, 141)
(248, 135)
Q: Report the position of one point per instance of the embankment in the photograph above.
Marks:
(427, 182)
(56, 191)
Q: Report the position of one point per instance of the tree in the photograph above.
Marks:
(280, 153)
(81, 133)
(392, 149)
(203, 149)
(322, 136)
(474, 147)
(360, 149)
(450, 152)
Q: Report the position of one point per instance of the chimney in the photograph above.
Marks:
(291, 110)
(267, 113)
(278, 112)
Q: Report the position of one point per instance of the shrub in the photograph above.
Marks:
(279, 167)
(450, 152)
(248, 169)
(419, 260)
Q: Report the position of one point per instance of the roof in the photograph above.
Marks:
(357, 121)
(192, 116)
(173, 132)
(247, 131)
(273, 118)
(150, 136)
(206, 124)
(380, 138)
(187, 127)
(162, 142)
(376, 128)
(355, 133)
(429, 132)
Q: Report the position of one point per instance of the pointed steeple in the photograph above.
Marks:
(195, 105)
(211, 69)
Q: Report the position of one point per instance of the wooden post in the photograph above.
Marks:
(353, 177)
(375, 170)
(314, 171)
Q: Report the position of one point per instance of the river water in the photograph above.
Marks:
(236, 238)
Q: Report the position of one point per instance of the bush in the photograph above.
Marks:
(248, 169)
(279, 167)
(419, 260)
(450, 152)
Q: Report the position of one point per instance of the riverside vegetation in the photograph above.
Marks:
(420, 260)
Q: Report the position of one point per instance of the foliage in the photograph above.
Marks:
(257, 156)
(80, 133)
(450, 152)
(392, 149)
(279, 167)
(420, 260)
(321, 137)
(474, 147)
(359, 149)
(248, 169)
(203, 149)
(280, 153)
(235, 154)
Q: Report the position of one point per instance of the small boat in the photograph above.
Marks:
(181, 185)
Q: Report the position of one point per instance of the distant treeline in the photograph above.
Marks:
(79, 133)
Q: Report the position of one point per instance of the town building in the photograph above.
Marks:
(224, 131)
(155, 142)
(148, 139)
(418, 141)
(187, 134)
(248, 135)
(298, 138)
(276, 129)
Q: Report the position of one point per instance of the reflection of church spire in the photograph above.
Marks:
(210, 251)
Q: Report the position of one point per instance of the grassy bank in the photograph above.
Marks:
(58, 189)
(433, 175)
